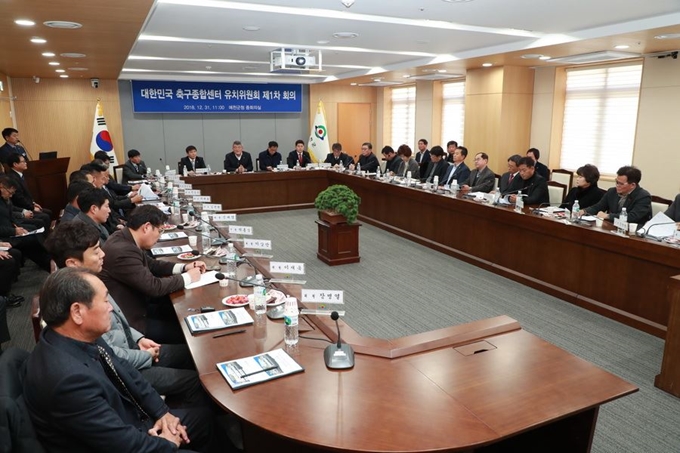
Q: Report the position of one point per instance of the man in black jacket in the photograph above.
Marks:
(22, 197)
(80, 396)
(541, 169)
(534, 187)
(238, 161)
(627, 194)
(192, 161)
(337, 158)
(298, 157)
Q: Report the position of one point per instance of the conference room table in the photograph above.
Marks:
(622, 277)
(485, 386)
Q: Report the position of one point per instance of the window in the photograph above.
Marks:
(453, 112)
(600, 115)
(403, 117)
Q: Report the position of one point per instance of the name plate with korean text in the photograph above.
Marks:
(238, 229)
(259, 244)
(202, 199)
(287, 268)
(323, 296)
(192, 193)
(211, 206)
(224, 217)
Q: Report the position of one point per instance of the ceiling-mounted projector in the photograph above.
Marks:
(295, 60)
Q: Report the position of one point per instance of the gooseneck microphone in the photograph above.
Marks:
(644, 232)
(338, 356)
(246, 282)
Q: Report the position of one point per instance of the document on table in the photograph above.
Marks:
(146, 193)
(172, 236)
(167, 251)
(258, 368)
(659, 227)
(215, 320)
(206, 279)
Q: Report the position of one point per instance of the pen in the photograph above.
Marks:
(229, 333)
(259, 371)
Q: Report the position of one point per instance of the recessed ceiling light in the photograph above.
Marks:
(208, 68)
(406, 76)
(53, 63)
(78, 68)
(48, 54)
(345, 35)
(353, 84)
(38, 40)
(73, 55)
(24, 22)
(544, 57)
(323, 41)
(64, 76)
(668, 36)
(531, 56)
(59, 70)
(487, 65)
(62, 24)
(621, 46)
(249, 68)
(251, 28)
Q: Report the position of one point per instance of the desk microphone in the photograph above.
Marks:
(644, 232)
(221, 240)
(338, 356)
(250, 281)
(537, 210)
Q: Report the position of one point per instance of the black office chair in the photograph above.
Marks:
(17, 434)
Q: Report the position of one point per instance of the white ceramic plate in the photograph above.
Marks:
(188, 256)
(244, 297)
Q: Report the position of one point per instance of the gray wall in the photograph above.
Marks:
(162, 138)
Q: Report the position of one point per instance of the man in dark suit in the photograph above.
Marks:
(534, 187)
(192, 161)
(437, 166)
(29, 245)
(298, 157)
(134, 168)
(141, 284)
(451, 147)
(541, 169)
(113, 186)
(458, 171)
(392, 162)
(481, 179)
(337, 158)
(238, 161)
(22, 197)
(673, 210)
(367, 160)
(423, 156)
(80, 396)
(510, 182)
(270, 158)
(11, 146)
(626, 194)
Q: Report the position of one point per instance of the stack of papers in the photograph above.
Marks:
(167, 251)
(215, 320)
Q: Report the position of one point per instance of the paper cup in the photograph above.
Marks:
(193, 240)
(632, 228)
(599, 222)
(224, 283)
(185, 218)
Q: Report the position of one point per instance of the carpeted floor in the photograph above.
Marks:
(401, 288)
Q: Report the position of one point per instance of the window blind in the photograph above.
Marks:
(403, 116)
(453, 112)
(600, 116)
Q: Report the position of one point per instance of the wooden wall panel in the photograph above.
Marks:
(331, 95)
(57, 114)
(482, 121)
(5, 109)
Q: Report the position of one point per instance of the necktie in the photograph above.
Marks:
(512, 175)
(300, 158)
(110, 370)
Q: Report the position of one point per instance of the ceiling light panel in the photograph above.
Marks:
(62, 24)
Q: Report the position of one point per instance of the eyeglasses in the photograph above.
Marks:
(621, 183)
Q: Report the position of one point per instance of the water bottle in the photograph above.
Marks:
(435, 183)
(185, 172)
(377, 172)
(231, 264)
(624, 218)
(408, 179)
(259, 295)
(519, 202)
(359, 168)
(290, 320)
(575, 211)
(209, 171)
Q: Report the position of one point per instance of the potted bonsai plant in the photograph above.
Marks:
(338, 204)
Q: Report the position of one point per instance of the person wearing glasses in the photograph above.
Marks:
(627, 194)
